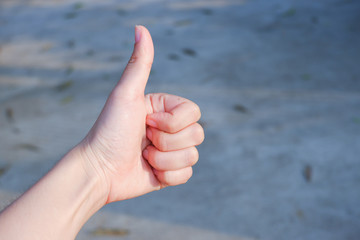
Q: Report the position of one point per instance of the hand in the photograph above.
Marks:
(142, 143)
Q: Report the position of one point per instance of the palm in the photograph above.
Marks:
(124, 143)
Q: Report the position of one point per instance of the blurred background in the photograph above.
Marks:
(278, 83)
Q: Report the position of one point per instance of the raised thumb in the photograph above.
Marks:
(135, 76)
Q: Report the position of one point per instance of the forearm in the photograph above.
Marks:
(58, 205)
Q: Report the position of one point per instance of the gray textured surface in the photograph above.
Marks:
(278, 83)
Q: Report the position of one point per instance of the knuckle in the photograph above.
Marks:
(170, 123)
(195, 156)
(199, 133)
(158, 161)
(133, 59)
(170, 126)
(192, 156)
(142, 60)
(171, 178)
(167, 179)
(197, 111)
(187, 175)
(152, 156)
(161, 142)
(174, 126)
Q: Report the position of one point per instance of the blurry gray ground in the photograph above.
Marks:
(278, 83)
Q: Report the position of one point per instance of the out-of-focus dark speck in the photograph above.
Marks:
(70, 15)
(169, 32)
(240, 108)
(116, 58)
(90, 52)
(66, 100)
(173, 56)
(300, 213)
(121, 12)
(357, 120)
(65, 85)
(190, 52)
(307, 173)
(27, 146)
(71, 43)
(207, 11)
(289, 13)
(78, 5)
(3, 169)
(306, 76)
(183, 23)
(314, 19)
(9, 113)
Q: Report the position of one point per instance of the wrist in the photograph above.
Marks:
(93, 171)
(85, 191)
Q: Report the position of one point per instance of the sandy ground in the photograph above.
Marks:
(278, 83)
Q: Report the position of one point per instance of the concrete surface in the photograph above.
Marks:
(278, 83)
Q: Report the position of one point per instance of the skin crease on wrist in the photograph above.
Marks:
(139, 143)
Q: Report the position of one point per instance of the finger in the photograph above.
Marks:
(172, 113)
(172, 178)
(192, 135)
(134, 78)
(169, 161)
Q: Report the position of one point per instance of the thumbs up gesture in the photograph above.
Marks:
(141, 143)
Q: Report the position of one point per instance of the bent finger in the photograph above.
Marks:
(192, 135)
(171, 113)
(169, 161)
(173, 178)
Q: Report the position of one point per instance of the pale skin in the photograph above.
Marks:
(139, 144)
